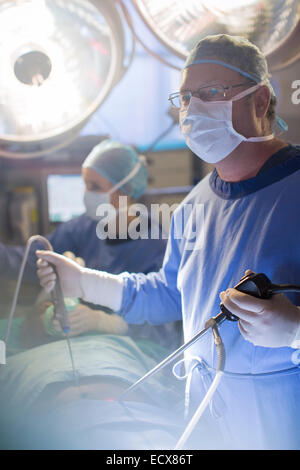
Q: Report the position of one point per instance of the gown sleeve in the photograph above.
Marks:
(154, 297)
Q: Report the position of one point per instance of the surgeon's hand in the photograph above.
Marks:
(71, 255)
(69, 273)
(271, 323)
(83, 319)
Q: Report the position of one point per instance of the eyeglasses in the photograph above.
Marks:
(206, 93)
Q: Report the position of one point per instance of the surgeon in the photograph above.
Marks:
(249, 221)
(115, 176)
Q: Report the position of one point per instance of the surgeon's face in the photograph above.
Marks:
(243, 110)
(97, 183)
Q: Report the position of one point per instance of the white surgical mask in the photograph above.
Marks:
(208, 128)
(93, 199)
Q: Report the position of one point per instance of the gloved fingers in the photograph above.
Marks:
(57, 260)
(246, 301)
(48, 283)
(245, 329)
(74, 314)
(79, 317)
(50, 256)
(46, 275)
(242, 313)
(41, 263)
(69, 254)
(79, 311)
(44, 271)
(77, 329)
(73, 257)
(76, 322)
(49, 286)
(48, 278)
(80, 261)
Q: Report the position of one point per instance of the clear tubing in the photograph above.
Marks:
(211, 323)
(199, 412)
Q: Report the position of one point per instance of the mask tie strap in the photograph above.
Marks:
(247, 92)
(129, 176)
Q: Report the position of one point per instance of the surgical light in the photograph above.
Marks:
(179, 25)
(59, 61)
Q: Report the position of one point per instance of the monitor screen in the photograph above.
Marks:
(65, 197)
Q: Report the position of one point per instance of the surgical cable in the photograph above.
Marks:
(57, 299)
(199, 412)
(211, 323)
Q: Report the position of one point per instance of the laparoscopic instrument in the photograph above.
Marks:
(59, 308)
(257, 285)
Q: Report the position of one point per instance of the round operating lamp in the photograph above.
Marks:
(181, 24)
(59, 61)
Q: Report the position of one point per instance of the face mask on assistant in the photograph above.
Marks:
(208, 129)
(93, 199)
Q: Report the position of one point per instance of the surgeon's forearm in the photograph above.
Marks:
(110, 323)
(137, 297)
(102, 288)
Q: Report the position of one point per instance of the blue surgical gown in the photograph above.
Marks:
(253, 224)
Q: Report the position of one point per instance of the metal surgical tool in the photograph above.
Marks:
(257, 285)
(60, 311)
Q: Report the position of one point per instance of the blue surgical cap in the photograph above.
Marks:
(114, 161)
(235, 53)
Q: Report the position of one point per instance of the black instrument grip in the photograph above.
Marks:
(257, 285)
(59, 307)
